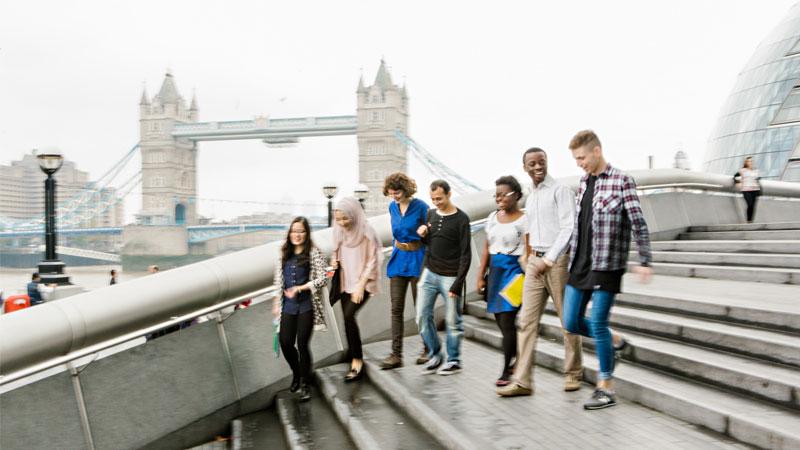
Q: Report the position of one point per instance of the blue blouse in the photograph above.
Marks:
(296, 275)
(404, 229)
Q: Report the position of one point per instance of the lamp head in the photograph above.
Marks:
(50, 159)
(361, 192)
(329, 190)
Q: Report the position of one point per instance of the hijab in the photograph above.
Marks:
(359, 227)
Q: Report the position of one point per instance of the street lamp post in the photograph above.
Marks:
(50, 269)
(329, 190)
(362, 193)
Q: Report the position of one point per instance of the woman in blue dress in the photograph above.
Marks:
(506, 241)
(407, 214)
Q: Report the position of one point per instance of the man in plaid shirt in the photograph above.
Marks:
(608, 210)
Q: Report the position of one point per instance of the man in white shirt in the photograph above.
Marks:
(550, 208)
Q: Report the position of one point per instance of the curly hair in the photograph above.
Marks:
(399, 181)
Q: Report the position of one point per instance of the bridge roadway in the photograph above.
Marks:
(176, 391)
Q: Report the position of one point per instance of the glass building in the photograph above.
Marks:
(761, 117)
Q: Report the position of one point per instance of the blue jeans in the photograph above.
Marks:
(431, 285)
(595, 327)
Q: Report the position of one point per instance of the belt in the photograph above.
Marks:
(408, 246)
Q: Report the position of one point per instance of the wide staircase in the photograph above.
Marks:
(713, 362)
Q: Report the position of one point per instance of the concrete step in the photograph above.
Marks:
(748, 226)
(771, 306)
(728, 246)
(372, 421)
(311, 424)
(716, 272)
(726, 259)
(769, 382)
(260, 430)
(756, 343)
(747, 420)
(741, 235)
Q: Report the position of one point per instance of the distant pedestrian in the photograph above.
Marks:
(551, 214)
(358, 254)
(39, 292)
(447, 258)
(747, 181)
(113, 280)
(608, 210)
(152, 269)
(505, 244)
(407, 214)
(299, 278)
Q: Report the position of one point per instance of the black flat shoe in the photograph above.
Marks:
(354, 375)
(305, 393)
(295, 385)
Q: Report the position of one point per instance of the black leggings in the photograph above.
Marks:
(351, 326)
(506, 321)
(297, 327)
(750, 198)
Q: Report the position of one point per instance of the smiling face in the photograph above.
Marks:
(298, 234)
(590, 159)
(505, 197)
(398, 195)
(439, 199)
(342, 219)
(536, 166)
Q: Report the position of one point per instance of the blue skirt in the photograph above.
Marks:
(502, 269)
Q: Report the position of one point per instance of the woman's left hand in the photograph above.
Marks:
(291, 292)
(358, 295)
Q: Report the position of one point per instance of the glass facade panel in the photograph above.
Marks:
(761, 117)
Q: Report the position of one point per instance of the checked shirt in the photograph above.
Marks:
(615, 213)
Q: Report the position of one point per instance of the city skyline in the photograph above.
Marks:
(484, 89)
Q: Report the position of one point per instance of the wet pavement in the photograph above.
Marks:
(311, 424)
(466, 402)
(372, 415)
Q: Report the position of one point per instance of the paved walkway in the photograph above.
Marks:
(549, 419)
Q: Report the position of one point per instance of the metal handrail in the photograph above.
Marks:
(113, 342)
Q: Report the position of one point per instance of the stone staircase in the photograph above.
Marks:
(715, 352)
(713, 362)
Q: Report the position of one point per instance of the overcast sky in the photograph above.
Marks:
(485, 81)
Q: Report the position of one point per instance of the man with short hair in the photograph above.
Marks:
(447, 258)
(551, 214)
(38, 292)
(608, 210)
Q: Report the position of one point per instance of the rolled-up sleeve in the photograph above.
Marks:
(565, 204)
(636, 216)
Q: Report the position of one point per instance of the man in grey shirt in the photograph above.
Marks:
(551, 214)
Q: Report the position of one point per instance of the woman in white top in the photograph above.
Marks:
(506, 241)
(746, 179)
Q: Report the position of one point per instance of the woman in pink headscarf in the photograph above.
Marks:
(357, 250)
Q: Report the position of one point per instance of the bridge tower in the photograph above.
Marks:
(169, 165)
(382, 108)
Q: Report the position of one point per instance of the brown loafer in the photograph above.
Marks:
(513, 390)
(572, 383)
(391, 362)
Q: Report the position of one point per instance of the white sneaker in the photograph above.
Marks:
(449, 368)
(431, 366)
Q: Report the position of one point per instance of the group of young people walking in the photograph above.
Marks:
(571, 248)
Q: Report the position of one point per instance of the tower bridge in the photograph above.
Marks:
(170, 132)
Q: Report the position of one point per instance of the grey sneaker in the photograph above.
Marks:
(449, 368)
(431, 366)
(601, 399)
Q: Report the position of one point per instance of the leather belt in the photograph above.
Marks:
(408, 246)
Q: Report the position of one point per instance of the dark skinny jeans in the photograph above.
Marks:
(398, 286)
(750, 198)
(297, 327)
(349, 309)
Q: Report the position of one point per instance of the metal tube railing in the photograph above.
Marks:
(93, 349)
(57, 329)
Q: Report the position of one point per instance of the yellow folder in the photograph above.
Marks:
(512, 292)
